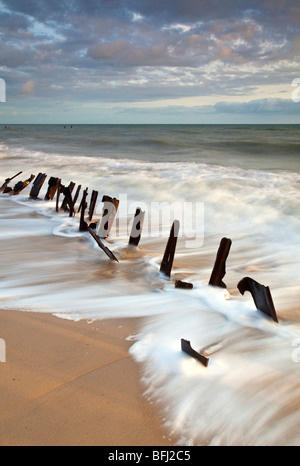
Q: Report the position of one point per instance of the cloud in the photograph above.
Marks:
(109, 50)
(148, 50)
(262, 106)
(137, 17)
(28, 88)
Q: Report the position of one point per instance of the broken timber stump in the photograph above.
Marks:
(68, 201)
(53, 186)
(110, 209)
(59, 191)
(83, 226)
(183, 285)
(94, 198)
(101, 245)
(67, 193)
(261, 295)
(136, 231)
(168, 259)
(186, 348)
(76, 196)
(83, 200)
(219, 270)
(37, 185)
(4, 188)
(22, 185)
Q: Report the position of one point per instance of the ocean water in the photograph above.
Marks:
(240, 182)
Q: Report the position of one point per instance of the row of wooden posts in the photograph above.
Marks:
(260, 293)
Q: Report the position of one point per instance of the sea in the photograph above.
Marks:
(219, 181)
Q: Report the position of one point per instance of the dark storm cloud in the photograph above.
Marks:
(13, 22)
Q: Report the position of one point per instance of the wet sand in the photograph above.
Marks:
(72, 383)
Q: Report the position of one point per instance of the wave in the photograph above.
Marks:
(248, 147)
(249, 393)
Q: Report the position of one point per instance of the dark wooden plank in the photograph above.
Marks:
(67, 193)
(183, 285)
(4, 187)
(68, 201)
(22, 185)
(76, 195)
(92, 207)
(101, 245)
(84, 196)
(83, 226)
(60, 190)
(136, 231)
(168, 259)
(186, 348)
(219, 270)
(110, 209)
(261, 295)
(37, 185)
(53, 185)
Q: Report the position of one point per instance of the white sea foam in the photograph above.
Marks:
(249, 393)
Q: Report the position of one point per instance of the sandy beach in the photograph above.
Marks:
(70, 383)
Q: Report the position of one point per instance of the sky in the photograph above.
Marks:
(150, 61)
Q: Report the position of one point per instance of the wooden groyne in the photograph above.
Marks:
(100, 229)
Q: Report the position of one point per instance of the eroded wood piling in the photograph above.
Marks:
(92, 207)
(186, 348)
(110, 209)
(261, 295)
(68, 196)
(136, 231)
(37, 185)
(101, 245)
(53, 185)
(183, 285)
(168, 259)
(5, 188)
(83, 226)
(219, 270)
(19, 187)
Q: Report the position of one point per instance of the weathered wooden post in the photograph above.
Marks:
(219, 270)
(4, 188)
(69, 201)
(136, 231)
(261, 295)
(83, 226)
(110, 209)
(101, 245)
(59, 191)
(76, 196)
(94, 198)
(22, 185)
(37, 185)
(183, 285)
(168, 259)
(66, 193)
(53, 186)
(186, 348)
